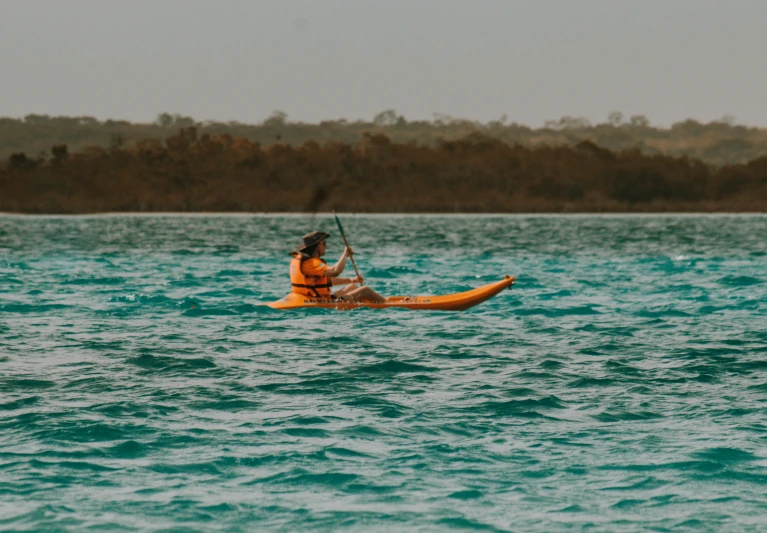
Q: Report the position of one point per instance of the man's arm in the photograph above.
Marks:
(335, 270)
(344, 281)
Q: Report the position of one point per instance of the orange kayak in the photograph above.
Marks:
(447, 302)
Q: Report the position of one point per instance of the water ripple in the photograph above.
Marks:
(619, 387)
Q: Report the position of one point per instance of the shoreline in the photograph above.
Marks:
(245, 214)
(207, 174)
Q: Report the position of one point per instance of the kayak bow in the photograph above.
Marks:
(447, 302)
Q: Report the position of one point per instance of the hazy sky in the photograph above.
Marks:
(326, 59)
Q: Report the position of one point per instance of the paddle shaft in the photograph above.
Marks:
(346, 243)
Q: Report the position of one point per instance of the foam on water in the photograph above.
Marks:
(619, 387)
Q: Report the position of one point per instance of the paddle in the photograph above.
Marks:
(346, 243)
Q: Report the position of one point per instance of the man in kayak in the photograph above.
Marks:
(311, 276)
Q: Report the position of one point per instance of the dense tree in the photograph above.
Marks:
(194, 170)
(717, 143)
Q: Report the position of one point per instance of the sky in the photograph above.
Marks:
(530, 60)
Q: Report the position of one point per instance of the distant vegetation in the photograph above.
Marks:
(195, 170)
(716, 143)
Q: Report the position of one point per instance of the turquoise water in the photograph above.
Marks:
(620, 386)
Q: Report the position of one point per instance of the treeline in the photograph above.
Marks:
(190, 171)
(716, 143)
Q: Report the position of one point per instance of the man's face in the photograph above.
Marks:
(321, 248)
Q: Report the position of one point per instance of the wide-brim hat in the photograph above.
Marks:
(310, 239)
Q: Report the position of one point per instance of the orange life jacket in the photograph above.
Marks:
(314, 286)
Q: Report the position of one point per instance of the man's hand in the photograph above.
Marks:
(348, 252)
(359, 279)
